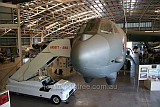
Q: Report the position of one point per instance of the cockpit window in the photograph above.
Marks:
(90, 27)
(115, 29)
(82, 28)
(106, 28)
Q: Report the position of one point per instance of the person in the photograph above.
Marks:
(135, 49)
(128, 63)
(145, 58)
(140, 58)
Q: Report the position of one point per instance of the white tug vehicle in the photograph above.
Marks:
(29, 79)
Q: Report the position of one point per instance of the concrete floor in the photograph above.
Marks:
(124, 94)
(6, 70)
(95, 94)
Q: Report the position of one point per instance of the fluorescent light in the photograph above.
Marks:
(157, 11)
(152, 31)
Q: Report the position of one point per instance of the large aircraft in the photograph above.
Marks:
(99, 50)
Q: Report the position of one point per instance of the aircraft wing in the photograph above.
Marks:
(138, 36)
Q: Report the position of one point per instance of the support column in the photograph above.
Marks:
(31, 40)
(42, 37)
(124, 24)
(19, 37)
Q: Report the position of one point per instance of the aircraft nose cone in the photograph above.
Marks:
(86, 37)
(91, 53)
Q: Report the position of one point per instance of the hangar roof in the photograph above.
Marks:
(62, 19)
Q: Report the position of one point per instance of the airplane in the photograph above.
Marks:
(99, 50)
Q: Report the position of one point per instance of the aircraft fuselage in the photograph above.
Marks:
(99, 50)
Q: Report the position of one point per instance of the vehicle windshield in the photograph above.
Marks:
(90, 27)
(106, 27)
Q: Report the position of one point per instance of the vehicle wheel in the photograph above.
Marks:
(56, 99)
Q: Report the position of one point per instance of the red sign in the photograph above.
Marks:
(4, 98)
(54, 47)
(58, 47)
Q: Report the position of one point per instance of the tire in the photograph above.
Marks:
(55, 99)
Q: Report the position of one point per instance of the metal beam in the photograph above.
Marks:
(7, 46)
(9, 26)
(19, 38)
(8, 5)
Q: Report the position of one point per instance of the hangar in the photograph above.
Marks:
(31, 29)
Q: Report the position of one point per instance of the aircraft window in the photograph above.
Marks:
(106, 28)
(115, 29)
(82, 28)
(90, 27)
